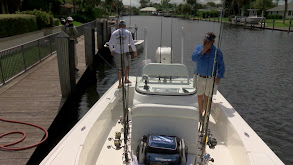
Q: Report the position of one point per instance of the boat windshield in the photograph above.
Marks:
(164, 79)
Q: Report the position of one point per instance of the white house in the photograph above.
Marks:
(279, 10)
(148, 10)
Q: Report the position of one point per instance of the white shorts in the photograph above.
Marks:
(117, 60)
(204, 85)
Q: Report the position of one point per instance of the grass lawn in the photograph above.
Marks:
(12, 62)
(75, 23)
(278, 23)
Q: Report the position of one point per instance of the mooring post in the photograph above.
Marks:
(273, 25)
(104, 31)
(108, 31)
(89, 45)
(99, 35)
(72, 56)
(65, 57)
(264, 24)
(244, 23)
(289, 26)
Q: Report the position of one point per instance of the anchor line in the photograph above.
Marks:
(204, 128)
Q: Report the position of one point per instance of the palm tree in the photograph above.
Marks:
(285, 12)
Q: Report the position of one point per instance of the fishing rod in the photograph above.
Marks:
(208, 108)
(171, 40)
(125, 109)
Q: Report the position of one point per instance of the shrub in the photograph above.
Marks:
(56, 22)
(274, 17)
(13, 24)
(79, 17)
(43, 18)
(102, 12)
(213, 13)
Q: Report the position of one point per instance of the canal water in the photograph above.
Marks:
(257, 83)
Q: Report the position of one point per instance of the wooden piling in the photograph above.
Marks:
(108, 31)
(289, 26)
(99, 35)
(89, 45)
(244, 23)
(65, 50)
(273, 25)
(72, 56)
(104, 31)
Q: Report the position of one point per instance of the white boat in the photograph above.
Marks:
(252, 18)
(159, 105)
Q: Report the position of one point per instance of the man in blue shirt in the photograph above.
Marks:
(204, 55)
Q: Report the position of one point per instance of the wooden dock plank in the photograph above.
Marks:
(33, 97)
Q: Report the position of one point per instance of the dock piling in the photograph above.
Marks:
(104, 31)
(65, 57)
(89, 45)
(99, 35)
(289, 27)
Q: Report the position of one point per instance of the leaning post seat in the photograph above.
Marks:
(169, 120)
(165, 70)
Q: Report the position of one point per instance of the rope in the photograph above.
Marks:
(5, 147)
(105, 60)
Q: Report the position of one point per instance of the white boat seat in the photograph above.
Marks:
(163, 70)
(180, 121)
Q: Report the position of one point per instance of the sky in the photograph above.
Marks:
(137, 4)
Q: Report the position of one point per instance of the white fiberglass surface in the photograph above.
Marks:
(110, 155)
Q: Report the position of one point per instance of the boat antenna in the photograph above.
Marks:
(204, 129)
(125, 108)
(171, 41)
(161, 38)
(182, 44)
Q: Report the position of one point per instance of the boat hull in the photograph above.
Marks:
(89, 140)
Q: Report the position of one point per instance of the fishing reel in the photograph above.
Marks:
(207, 157)
(212, 142)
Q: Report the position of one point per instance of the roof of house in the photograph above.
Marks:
(148, 9)
(282, 7)
(68, 5)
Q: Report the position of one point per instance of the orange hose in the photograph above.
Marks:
(5, 147)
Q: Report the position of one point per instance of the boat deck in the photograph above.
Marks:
(110, 155)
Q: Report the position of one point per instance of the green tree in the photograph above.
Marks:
(212, 4)
(186, 9)
(263, 4)
(179, 9)
(285, 12)
(143, 3)
(9, 6)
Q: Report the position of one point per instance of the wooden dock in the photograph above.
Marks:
(34, 97)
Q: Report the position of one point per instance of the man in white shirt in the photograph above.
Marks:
(120, 39)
